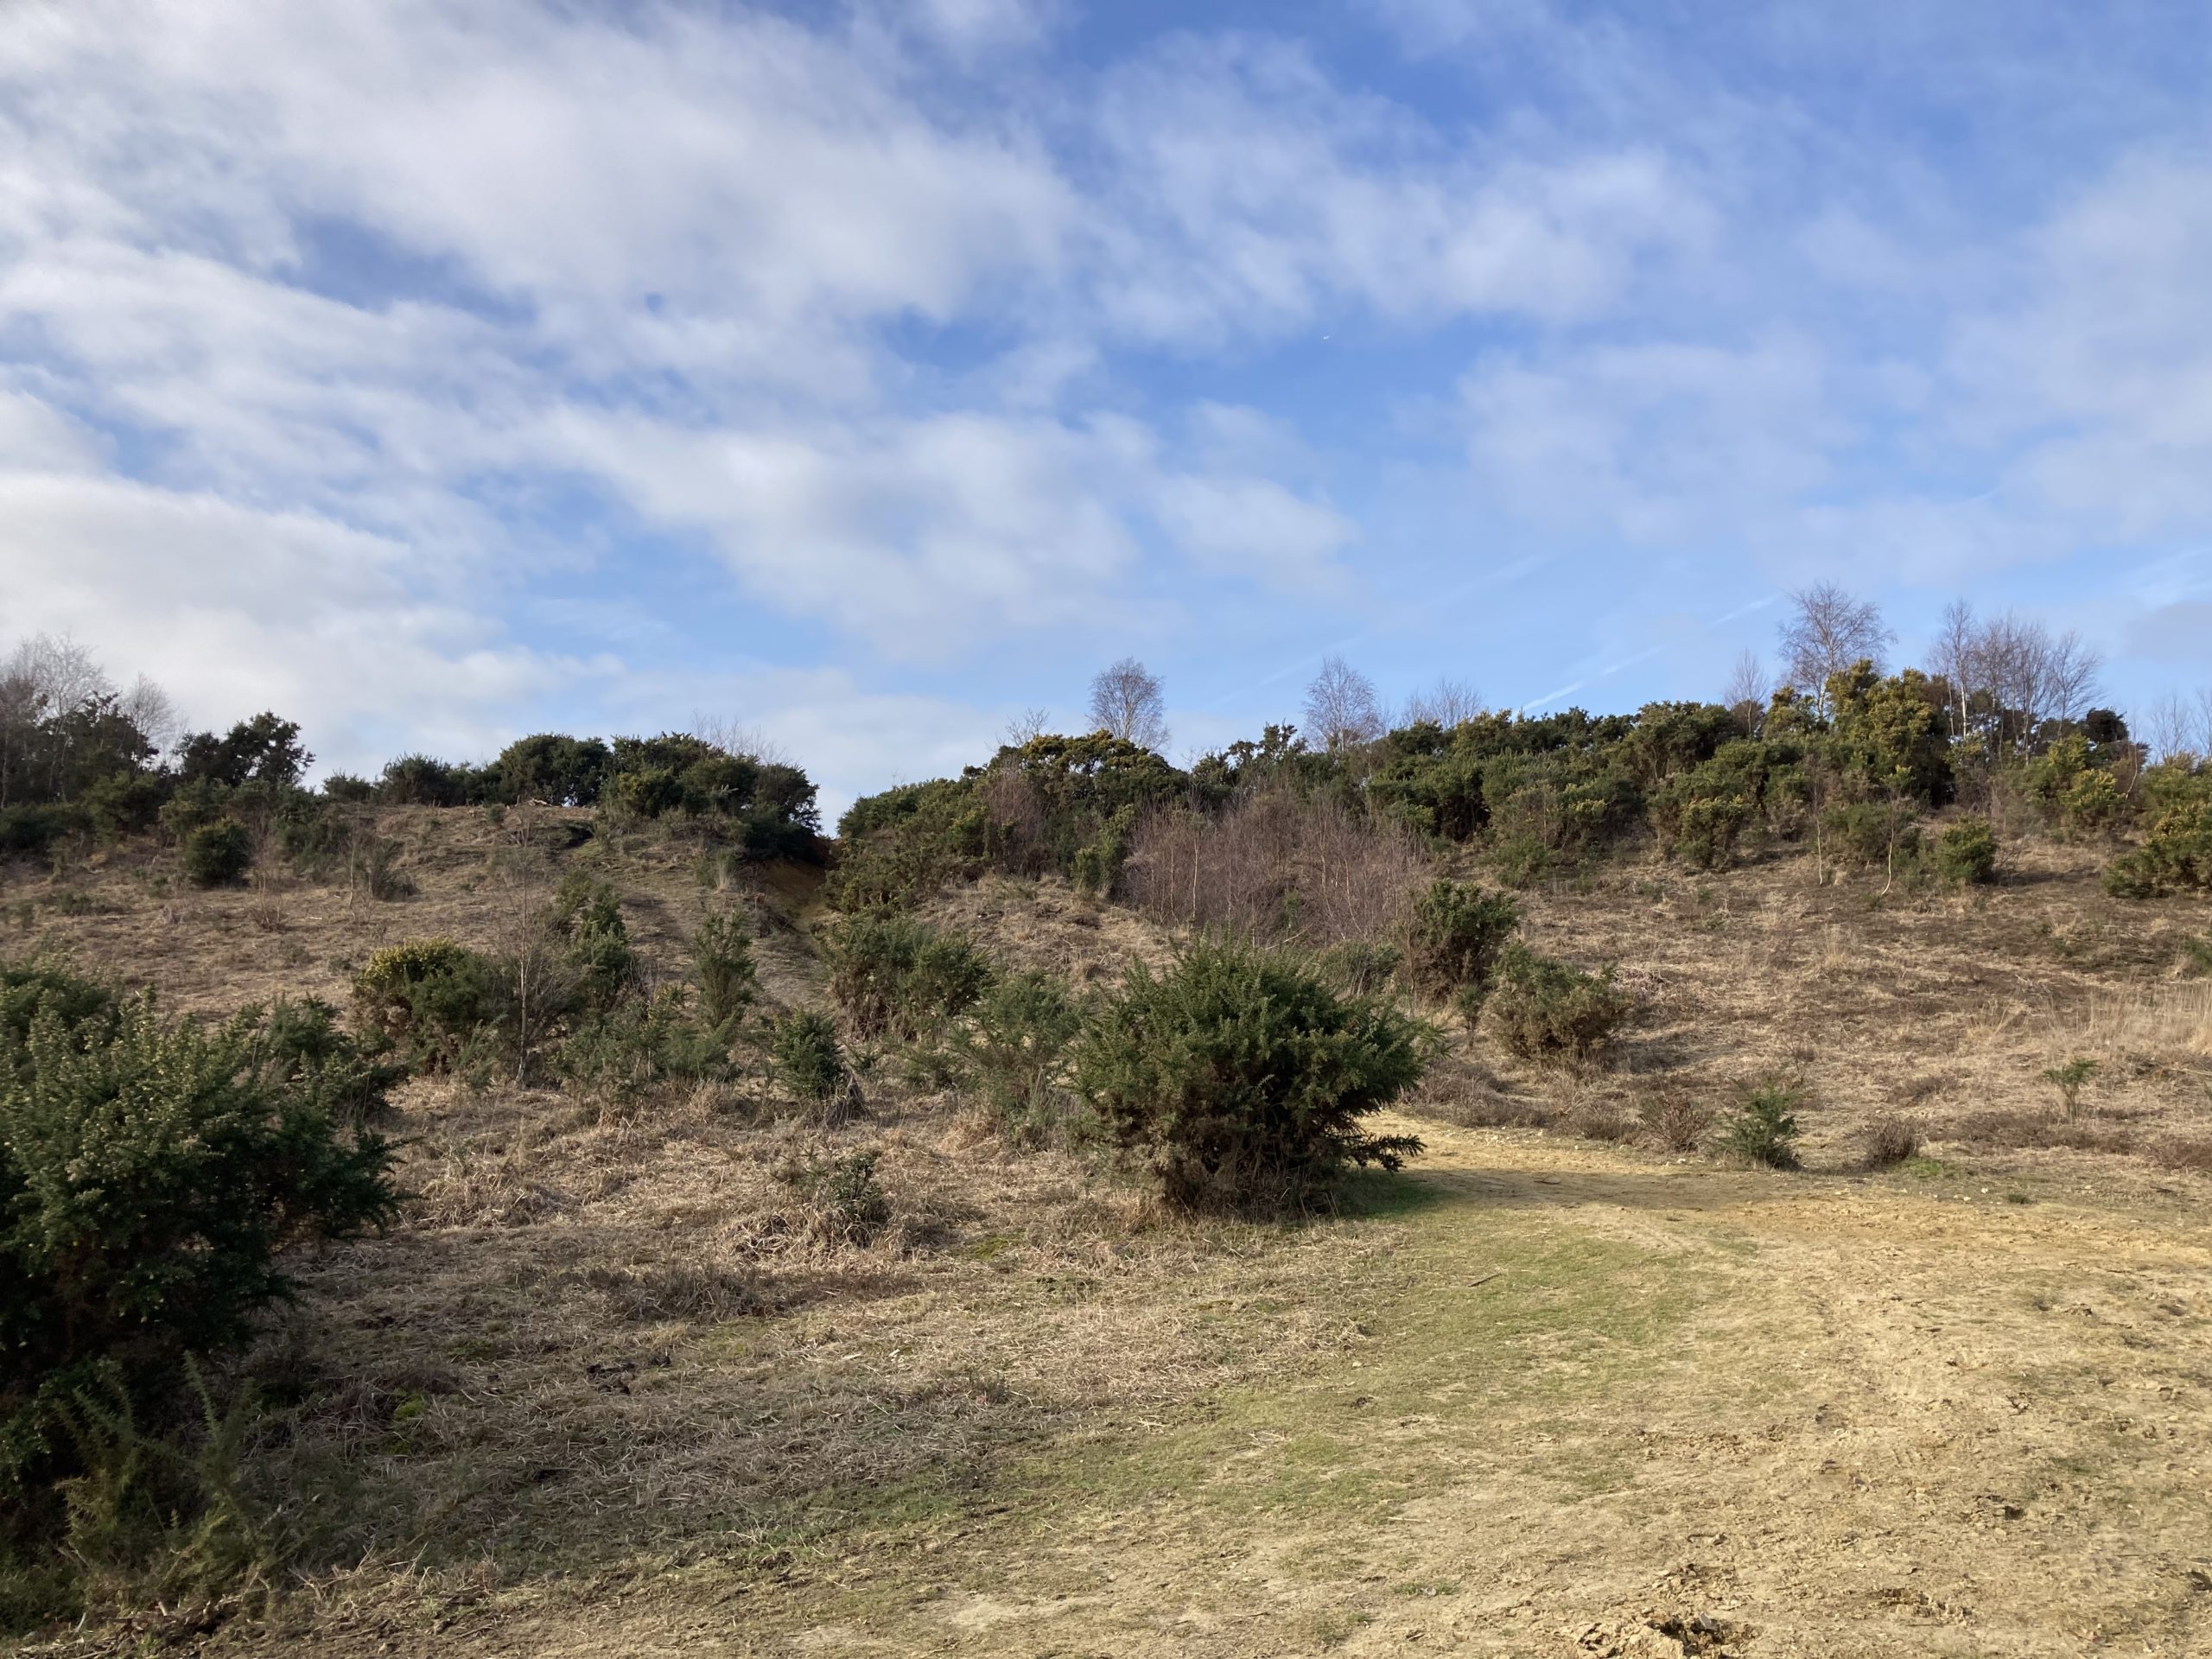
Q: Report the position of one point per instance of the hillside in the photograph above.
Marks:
(608, 1385)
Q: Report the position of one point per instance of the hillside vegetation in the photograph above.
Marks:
(1717, 1179)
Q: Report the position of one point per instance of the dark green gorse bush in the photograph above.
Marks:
(1242, 1077)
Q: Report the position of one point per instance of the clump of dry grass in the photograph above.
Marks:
(1674, 1121)
(688, 1291)
(2184, 1152)
(2029, 1129)
(1888, 1140)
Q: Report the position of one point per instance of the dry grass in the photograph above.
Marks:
(610, 1386)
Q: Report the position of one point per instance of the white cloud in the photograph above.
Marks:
(1251, 195)
(235, 610)
(1660, 442)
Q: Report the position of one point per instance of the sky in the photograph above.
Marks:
(870, 373)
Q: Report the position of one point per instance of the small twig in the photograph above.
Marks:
(1486, 1278)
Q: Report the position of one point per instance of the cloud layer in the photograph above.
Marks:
(939, 349)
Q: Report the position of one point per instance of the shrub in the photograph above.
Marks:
(1457, 934)
(1965, 852)
(2176, 853)
(721, 969)
(810, 1062)
(436, 1001)
(588, 913)
(1243, 1078)
(2092, 804)
(30, 830)
(1542, 1009)
(1888, 1140)
(1361, 967)
(218, 854)
(845, 1201)
(1014, 1052)
(424, 780)
(1872, 832)
(1764, 1132)
(153, 1172)
(621, 1054)
(1675, 1121)
(2070, 1080)
(890, 973)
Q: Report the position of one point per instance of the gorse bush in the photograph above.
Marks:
(1014, 1048)
(1764, 1131)
(622, 1053)
(846, 1203)
(152, 1171)
(217, 854)
(1457, 935)
(723, 969)
(2176, 854)
(1966, 853)
(1542, 1009)
(808, 1060)
(588, 914)
(437, 1002)
(894, 974)
(1242, 1077)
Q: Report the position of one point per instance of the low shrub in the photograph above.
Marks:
(436, 1001)
(1675, 1121)
(1870, 833)
(1764, 1131)
(2176, 853)
(894, 973)
(1457, 935)
(217, 854)
(622, 1053)
(2070, 1080)
(31, 830)
(1361, 967)
(1888, 1140)
(723, 969)
(1243, 1077)
(1542, 1009)
(1014, 1051)
(155, 1169)
(1966, 853)
(846, 1203)
(811, 1063)
(588, 914)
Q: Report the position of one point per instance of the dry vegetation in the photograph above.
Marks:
(619, 1384)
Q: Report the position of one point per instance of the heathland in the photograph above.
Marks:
(1722, 1179)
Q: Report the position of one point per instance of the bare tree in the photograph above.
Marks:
(1127, 701)
(1748, 689)
(741, 737)
(1829, 632)
(1028, 725)
(60, 670)
(1447, 703)
(2008, 676)
(1341, 708)
(2167, 727)
(1952, 661)
(2069, 674)
(148, 708)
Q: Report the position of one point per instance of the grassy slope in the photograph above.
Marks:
(1543, 1397)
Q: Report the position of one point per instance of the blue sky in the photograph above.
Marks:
(870, 373)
